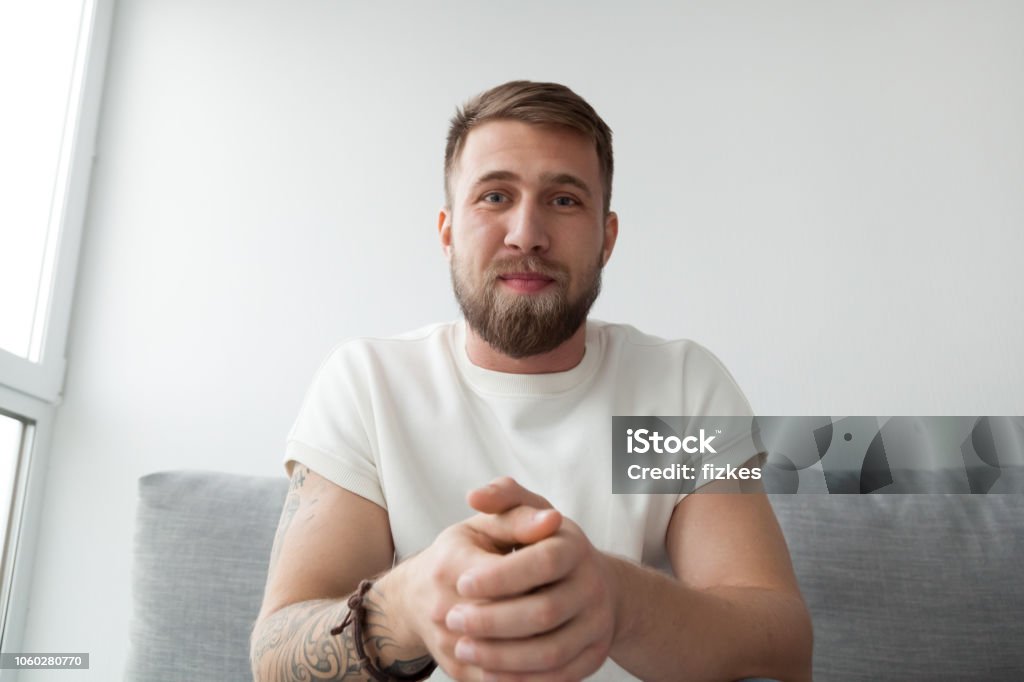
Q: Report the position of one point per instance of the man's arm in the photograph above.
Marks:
(328, 540)
(735, 610)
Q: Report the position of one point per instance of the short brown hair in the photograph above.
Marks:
(530, 102)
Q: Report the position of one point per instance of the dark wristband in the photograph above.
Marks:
(356, 616)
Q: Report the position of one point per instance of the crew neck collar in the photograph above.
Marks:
(506, 383)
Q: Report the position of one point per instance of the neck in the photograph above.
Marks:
(563, 358)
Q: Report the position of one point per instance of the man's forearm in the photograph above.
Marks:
(667, 631)
(295, 643)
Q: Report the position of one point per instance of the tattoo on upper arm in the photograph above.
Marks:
(298, 476)
(291, 506)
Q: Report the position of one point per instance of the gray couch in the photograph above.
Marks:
(900, 587)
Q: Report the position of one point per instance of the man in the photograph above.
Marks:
(547, 580)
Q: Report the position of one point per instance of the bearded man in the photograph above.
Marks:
(382, 571)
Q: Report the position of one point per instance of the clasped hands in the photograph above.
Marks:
(515, 592)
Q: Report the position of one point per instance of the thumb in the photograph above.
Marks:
(503, 494)
(519, 526)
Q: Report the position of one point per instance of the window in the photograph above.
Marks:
(52, 57)
(13, 435)
(11, 432)
(40, 75)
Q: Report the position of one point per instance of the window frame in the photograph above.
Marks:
(25, 515)
(31, 391)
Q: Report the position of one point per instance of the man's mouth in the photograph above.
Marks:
(525, 282)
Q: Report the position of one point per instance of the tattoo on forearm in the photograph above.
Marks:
(377, 635)
(295, 644)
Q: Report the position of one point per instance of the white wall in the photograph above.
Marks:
(828, 195)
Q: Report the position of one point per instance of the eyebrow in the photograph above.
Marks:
(546, 179)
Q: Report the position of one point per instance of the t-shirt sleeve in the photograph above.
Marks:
(711, 388)
(712, 391)
(331, 434)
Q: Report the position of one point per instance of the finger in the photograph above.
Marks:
(520, 526)
(444, 655)
(502, 494)
(545, 653)
(536, 565)
(581, 667)
(531, 614)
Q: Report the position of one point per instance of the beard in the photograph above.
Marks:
(521, 325)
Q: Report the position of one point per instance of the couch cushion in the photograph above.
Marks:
(901, 587)
(910, 587)
(202, 542)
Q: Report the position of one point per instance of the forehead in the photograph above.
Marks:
(527, 150)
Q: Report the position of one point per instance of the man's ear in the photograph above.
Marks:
(611, 233)
(444, 231)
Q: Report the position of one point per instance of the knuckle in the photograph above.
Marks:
(521, 515)
(485, 582)
(579, 548)
(506, 482)
(597, 650)
(438, 612)
(486, 657)
(479, 622)
(447, 535)
(595, 657)
(552, 656)
(546, 616)
(437, 573)
(548, 561)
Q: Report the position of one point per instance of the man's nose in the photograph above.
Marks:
(527, 231)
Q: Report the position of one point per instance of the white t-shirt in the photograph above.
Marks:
(411, 424)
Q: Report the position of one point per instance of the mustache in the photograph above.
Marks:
(532, 263)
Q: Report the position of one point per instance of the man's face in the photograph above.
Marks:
(526, 236)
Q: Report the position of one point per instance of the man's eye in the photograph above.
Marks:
(494, 197)
(565, 201)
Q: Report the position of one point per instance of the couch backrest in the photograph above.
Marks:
(202, 542)
(901, 587)
(910, 587)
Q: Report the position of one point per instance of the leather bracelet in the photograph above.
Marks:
(356, 616)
